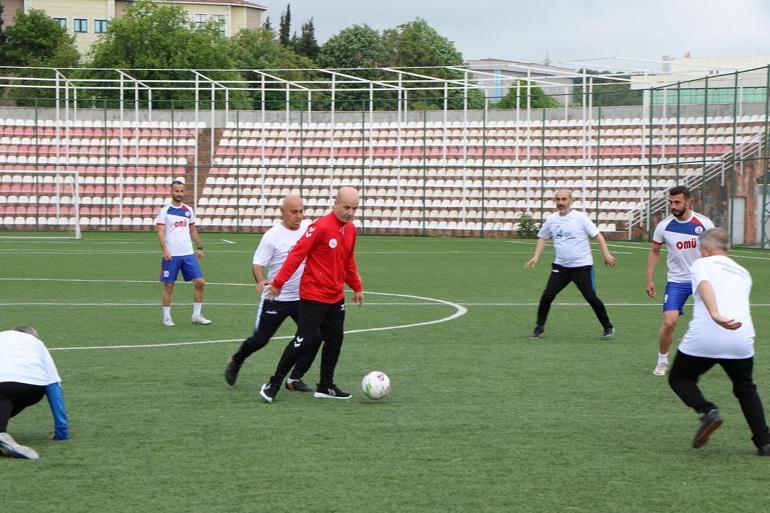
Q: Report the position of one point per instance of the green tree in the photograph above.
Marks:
(358, 46)
(267, 25)
(2, 35)
(417, 44)
(607, 91)
(284, 27)
(307, 44)
(160, 43)
(537, 98)
(258, 50)
(37, 40)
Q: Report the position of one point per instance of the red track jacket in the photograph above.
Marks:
(327, 248)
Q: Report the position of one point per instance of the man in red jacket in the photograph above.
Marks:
(327, 249)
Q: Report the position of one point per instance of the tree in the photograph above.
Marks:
(258, 49)
(358, 46)
(284, 27)
(417, 44)
(607, 91)
(2, 35)
(37, 40)
(537, 98)
(160, 43)
(267, 25)
(307, 44)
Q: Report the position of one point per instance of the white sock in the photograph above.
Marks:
(197, 309)
(167, 312)
(663, 358)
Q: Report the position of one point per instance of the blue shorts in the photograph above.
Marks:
(188, 264)
(676, 296)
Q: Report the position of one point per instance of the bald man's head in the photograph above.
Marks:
(346, 204)
(292, 212)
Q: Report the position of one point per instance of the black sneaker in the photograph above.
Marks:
(331, 392)
(297, 385)
(608, 332)
(231, 371)
(709, 422)
(268, 392)
(764, 450)
(537, 332)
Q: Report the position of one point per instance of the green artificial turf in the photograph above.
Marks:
(480, 417)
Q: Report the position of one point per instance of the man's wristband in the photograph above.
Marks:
(200, 248)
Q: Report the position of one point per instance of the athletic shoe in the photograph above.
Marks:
(199, 319)
(660, 369)
(231, 371)
(268, 392)
(764, 450)
(608, 332)
(710, 422)
(297, 385)
(537, 332)
(9, 447)
(331, 392)
(168, 321)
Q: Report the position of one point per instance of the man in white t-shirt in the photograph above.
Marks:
(177, 232)
(271, 253)
(721, 332)
(27, 373)
(570, 231)
(679, 232)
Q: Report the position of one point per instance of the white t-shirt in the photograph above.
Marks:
(732, 288)
(272, 251)
(681, 240)
(25, 359)
(177, 221)
(570, 235)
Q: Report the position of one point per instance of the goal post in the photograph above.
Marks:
(39, 203)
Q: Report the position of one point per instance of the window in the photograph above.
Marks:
(100, 26)
(62, 22)
(221, 20)
(80, 25)
(200, 19)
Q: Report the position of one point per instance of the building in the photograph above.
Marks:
(87, 19)
(497, 76)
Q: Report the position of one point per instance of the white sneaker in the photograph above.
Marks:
(9, 447)
(660, 369)
(199, 319)
(168, 321)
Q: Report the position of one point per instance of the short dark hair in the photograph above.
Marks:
(680, 189)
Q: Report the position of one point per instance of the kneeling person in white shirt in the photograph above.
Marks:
(721, 332)
(27, 373)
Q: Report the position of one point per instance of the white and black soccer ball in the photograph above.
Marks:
(376, 385)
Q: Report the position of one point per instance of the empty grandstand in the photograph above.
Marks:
(74, 160)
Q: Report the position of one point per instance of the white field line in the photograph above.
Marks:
(228, 241)
(459, 312)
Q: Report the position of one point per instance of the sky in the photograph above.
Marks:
(563, 30)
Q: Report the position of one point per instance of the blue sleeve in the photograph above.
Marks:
(56, 400)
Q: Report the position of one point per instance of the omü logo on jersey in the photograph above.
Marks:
(332, 243)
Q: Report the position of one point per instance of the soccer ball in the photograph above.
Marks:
(376, 385)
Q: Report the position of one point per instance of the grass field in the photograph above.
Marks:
(480, 418)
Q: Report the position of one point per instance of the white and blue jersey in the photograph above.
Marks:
(177, 221)
(681, 240)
